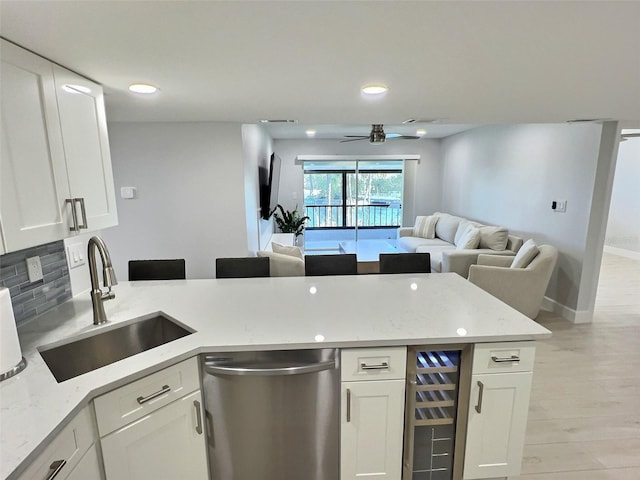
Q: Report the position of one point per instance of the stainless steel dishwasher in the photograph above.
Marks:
(273, 415)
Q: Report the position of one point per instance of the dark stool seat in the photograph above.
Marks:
(405, 263)
(243, 267)
(157, 269)
(318, 265)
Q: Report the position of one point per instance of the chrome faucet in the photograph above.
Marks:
(108, 274)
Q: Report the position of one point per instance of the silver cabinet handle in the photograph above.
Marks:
(162, 391)
(55, 468)
(198, 417)
(381, 366)
(83, 211)
(480, 395)
(348, 405)
(74, 214)
(512, 358)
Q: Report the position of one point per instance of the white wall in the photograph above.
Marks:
(190, 200)
(509, 175)
(428, 191)
(623, 229)
(257, 146)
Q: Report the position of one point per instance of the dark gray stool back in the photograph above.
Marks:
(318, 265)
(243, 267)
(157, 269)
(405, 263)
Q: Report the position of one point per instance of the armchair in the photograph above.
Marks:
(521, 288)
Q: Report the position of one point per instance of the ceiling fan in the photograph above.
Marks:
(377, 135)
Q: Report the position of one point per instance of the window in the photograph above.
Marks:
(353, 194)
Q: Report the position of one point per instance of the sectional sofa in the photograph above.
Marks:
(454, 243)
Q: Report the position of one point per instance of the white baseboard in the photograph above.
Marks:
(574, 316)
(622, 252)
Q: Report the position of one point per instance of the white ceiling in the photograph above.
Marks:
(460, 62)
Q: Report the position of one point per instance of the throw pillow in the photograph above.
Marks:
(287, 250)
(525, 255)
(494, 238)
(446, 227)
(462, 227)
(425, 227)
(470, 238)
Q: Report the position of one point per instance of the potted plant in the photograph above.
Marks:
(290, 221)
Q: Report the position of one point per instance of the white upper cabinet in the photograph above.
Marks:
(55, 166)
(33, 176)
(86, 149)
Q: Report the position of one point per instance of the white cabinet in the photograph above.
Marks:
(500, 390)
(86, 148)
(65, 454)
(33, 182)
(168, 443)
(55, 154)
(154, 427)
(372, 413)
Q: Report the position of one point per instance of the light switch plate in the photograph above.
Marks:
(75, 255)
(34, 269)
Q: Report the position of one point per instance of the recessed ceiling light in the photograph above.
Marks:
(310, 133)
(374, 89)
(76, 88)
(142, 88)
(421, 131)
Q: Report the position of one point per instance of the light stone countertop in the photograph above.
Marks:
(244, 314)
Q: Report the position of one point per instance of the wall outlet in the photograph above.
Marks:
(34, 269)
(75, 255)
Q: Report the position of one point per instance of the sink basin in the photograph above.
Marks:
(110, 345)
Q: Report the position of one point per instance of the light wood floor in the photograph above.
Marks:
(584, 418)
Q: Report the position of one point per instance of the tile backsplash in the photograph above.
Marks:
(31, 299)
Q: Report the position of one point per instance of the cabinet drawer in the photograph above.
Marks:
(373, 364)
(137, 399)
(69, 447)
(503, 357)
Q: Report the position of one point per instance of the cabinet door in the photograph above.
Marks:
(495, 433)
(86, 148)
(88, 468)
(372, 423)
(33, 179)
(169, 443)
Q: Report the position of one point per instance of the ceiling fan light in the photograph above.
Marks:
(374, 89)
(420, 132)
(310, 133)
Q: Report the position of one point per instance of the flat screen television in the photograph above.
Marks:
(269, 184)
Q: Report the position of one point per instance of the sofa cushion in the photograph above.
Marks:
(283, 265)
(462, 227)
(287, 250)
(447, 226)
(410, 244)
(525, 255)
(494, 238)
(425, 227)
(469, 239)
(435, 251)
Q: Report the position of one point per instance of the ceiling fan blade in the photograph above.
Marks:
(392, 136)
(353, 139)
(356, 136)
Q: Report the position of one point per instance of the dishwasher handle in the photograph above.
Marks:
(213, 369)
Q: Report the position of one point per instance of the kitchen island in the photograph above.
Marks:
(244, 314)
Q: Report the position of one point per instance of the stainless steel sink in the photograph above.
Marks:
(110, 345)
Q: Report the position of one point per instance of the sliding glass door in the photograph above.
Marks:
(351, 200)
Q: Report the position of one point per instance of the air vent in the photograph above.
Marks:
(278, 121)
